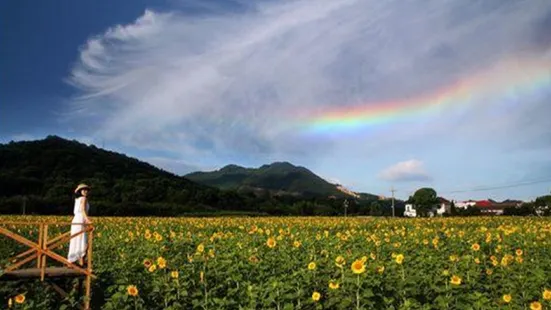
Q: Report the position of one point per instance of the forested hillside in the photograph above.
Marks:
(38, 177)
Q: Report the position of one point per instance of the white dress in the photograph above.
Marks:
(77, 245)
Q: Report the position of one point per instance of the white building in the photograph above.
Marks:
(438, 210)
(410, 211)
(465, 204)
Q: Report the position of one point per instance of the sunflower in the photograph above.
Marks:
(200, 248)
(339, 261)
(475, 247)
(147, 263)
(399, 259)
(253, 259)
(519, 252)
(312, 266)
(147, 235)
(271, 243)
(455, 280)
(174, 274)
(507, 298)
(547, 294)
(132, 290)
(161, 262)
(358, 267)
(316, 296)
(20, 298)
(333, 285)
(535, 306)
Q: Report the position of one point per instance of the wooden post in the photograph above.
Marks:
(44, 247)
(89, 269)
(40, 236)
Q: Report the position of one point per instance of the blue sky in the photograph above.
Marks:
(197, 85)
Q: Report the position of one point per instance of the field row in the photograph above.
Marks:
(307, 263)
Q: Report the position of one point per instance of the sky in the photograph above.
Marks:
(449, 94)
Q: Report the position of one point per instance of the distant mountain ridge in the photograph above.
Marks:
(278, 178)
(44, 173)
(39, 176)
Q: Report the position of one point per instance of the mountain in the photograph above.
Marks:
(278, 178)
(40, 176)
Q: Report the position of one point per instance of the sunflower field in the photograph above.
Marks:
(304, 263)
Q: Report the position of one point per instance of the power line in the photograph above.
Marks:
(493, 187)
(513, 185)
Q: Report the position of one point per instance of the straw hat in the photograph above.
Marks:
(81, 186)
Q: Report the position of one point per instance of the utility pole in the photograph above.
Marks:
(345, 204)
(24, 204)
(392, 190)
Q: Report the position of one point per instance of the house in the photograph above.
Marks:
(465, 204)
(490, 207)
(443, 206)
(410, 211)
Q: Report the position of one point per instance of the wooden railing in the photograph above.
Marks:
(43, 249)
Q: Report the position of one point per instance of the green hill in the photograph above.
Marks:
(38, 177)
(41, 175)
(279, 178)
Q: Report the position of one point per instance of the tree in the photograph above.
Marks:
(424, 199)
(453, 211)
(376, 209)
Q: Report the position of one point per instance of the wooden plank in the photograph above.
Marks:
(67, 238)
(44, 247)
(29, 251)
(40, 238)
(21, 263)
(59, 290)
(58, 237)
(63, 260)
(89, 269)
(30, 223)
(54, 272)
(18, 238)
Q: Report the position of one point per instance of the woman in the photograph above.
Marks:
(78, 244)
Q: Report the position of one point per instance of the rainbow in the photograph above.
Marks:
(506, 81)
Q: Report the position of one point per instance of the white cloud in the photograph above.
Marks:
(233, 85)
(409, 170)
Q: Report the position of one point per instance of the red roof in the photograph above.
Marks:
(483, 203)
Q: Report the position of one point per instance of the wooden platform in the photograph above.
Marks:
(50, 272)
(42, 251)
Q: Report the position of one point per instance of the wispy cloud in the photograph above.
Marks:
(409, 170)
(227, 85)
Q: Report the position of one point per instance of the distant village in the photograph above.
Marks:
(486, 207)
